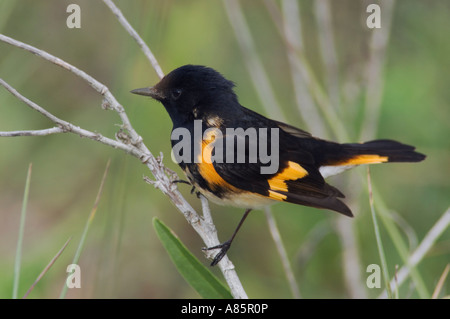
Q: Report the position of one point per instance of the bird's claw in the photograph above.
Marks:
(223, 251)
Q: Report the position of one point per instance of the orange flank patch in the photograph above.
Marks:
(206, 167)
(363, 159)
(278, 183)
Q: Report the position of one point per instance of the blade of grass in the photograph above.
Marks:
(267, 96)
(291, 28)
(282, 252)
(301, 63)
(399, 243)
(440, 283)
(87, 226)
(384, 266)
(108, 266)
(396, 292)
(192, 270)
(325, 35)
(351, 261)
(339, 131)
(335, 124)
(378, 45)
(385, 217)
(23, 214)
(411, 262)
(255, 66)
(46, 268)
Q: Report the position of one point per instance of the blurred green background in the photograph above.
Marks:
(122, 257)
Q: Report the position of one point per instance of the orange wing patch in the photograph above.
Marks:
(278, 183)
(277, 196)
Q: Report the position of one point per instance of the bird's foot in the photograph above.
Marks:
(223, 251)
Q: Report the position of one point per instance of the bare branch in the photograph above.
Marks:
(92, 82)
(129, 141)
(147, 52)
(63, 126)
(225, 265)
(110, 101)
(44, 132)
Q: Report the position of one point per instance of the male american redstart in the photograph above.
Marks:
(195, 94)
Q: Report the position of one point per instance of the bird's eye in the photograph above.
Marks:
(176, 93)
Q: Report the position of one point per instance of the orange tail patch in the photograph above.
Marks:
(363, 159)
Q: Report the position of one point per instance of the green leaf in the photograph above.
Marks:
(192, 270)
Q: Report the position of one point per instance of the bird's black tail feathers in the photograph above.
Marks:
(393, 150)
(372, 152)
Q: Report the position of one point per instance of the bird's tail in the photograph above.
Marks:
(343, 156)
(380, 151)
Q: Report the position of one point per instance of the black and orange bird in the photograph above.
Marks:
(200, 98)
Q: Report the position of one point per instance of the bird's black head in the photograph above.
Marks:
(191, 91)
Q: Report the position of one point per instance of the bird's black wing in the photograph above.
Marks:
(297, 178)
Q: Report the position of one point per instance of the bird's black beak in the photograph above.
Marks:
(150, 91)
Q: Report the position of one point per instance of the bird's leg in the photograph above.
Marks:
(226, 245)
(186, 182)
(176, 181)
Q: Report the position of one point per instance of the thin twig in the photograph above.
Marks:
(44, 132)
(130, 142)
(144, 47)
(225, 265)
(63, 125)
